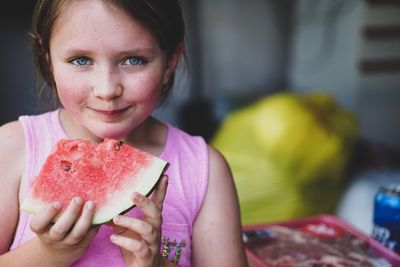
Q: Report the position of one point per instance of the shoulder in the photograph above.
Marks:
(12, 142)
(219, 218)
(12, 151)
(11, 130)
(218, 163)
(221, 185)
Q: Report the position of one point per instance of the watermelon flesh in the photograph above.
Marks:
(106, 173)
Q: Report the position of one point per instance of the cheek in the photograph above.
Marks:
(143, 88)
(70, 89)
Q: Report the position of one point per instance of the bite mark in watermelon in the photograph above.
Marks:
(106, 173)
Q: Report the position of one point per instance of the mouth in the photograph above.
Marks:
(113, 112)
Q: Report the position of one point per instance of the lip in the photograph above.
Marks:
(113, 112)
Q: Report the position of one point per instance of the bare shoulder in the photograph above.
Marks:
(11, 130)
(218, 163)
(12, 143)
(12, 155)
(221, 187)
(218, 227)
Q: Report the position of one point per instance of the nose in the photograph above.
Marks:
(106, 84)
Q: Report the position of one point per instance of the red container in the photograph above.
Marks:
(318, 233)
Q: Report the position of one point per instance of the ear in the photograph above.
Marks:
(173, 62)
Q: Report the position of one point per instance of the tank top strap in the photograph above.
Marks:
(41, 134)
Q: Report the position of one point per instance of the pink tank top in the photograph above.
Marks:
(187, 185)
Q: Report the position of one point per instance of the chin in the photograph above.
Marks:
(111, 133)
(116, 136)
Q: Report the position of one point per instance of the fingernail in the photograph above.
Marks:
(89, 205)
(136, 197)
(117, 219)
(78, 201)
(113, 238)
(56, 205)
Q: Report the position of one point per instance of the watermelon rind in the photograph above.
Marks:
(148, 181)
(144, 183)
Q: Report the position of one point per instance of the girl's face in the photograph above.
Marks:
(107, 67)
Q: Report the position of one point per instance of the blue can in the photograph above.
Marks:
(386, 220)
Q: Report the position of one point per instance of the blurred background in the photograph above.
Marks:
(243, 51)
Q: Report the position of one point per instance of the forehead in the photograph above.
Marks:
(95, 21)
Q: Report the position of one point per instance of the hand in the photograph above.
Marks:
(140, 240)
(66, 240)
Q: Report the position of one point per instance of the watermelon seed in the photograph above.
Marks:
(118, 145)
(67, 168)
(66, 165)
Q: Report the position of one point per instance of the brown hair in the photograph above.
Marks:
(162, 17)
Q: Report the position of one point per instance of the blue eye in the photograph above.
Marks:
(80, 61)
(134, 61)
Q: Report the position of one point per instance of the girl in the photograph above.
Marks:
(111, 63)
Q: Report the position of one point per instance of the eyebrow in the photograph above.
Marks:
(146, 51)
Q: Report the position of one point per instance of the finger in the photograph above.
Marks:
(138, 229)
(151, 211)
(40, 222)
(152, 208)
(67, 219)
(83, 224)
(137, 247)
(93, 229)
(123, 230)
(161, 191)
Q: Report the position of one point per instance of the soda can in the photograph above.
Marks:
(386, 228)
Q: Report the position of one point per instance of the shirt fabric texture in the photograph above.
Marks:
(187, 186)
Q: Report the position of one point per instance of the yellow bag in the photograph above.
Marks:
(288, 155)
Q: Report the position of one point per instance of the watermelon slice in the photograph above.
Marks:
(107, 173)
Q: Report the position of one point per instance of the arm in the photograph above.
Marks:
(11, 169)
(58, 244)
(11, 160)
(217, 239)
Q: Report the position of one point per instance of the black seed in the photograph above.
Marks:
(118, 145)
